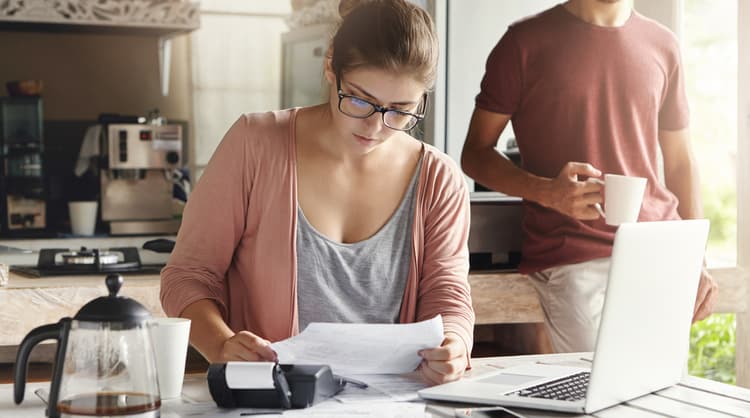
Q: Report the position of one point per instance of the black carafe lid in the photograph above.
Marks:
(118, 309)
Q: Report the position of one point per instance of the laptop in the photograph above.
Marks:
(644, 333)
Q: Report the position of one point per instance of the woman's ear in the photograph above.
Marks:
(328, 66)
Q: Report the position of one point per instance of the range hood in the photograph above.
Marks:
(161, 18)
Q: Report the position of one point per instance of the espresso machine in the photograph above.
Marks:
(136, 178)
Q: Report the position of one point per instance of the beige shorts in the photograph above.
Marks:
(572, 297)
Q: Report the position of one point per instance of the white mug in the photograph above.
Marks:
(623, 196)
(83, 217)
(170, 337)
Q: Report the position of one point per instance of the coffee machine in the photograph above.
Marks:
(136, 177)
(22, 185)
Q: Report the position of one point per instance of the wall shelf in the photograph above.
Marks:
(163, 19)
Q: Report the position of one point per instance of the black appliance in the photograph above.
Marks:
(294, 386)
(84, 261)
(23, 195)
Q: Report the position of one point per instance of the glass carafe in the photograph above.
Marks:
(105, 363)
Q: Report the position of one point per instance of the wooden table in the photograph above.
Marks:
(694, 397)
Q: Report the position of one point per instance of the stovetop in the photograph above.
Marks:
(83, 261)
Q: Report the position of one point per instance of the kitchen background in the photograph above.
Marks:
(247, 56)
(256, 55)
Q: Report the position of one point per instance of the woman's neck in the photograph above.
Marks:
(317, 137)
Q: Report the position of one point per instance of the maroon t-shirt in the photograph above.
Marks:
(581, 92)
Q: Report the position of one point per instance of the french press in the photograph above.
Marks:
(104, 365)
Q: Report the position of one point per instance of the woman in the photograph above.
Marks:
(331, 213)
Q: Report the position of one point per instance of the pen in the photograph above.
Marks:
(354, 382)
(261, 412)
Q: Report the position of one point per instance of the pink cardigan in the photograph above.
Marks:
(237, 242)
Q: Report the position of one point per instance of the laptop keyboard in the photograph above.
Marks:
(569, 388)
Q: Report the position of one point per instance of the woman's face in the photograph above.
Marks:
(383, 88)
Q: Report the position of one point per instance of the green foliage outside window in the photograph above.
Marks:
(712, 344)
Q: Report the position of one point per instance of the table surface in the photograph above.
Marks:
(694, 397)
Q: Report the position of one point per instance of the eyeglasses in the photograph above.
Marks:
(360, 108)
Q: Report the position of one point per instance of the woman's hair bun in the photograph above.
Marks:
(346, 6)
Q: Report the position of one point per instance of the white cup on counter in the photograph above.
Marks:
(83, 217)
(170, 337)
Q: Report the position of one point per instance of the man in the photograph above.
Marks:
(592, 87)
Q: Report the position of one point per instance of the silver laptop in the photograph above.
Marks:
(643, 339)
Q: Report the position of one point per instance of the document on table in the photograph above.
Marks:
(327, 409)
(383, 388)
(362, 348)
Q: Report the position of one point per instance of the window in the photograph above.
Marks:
(236, 67)
(711, 54)
(709, 41)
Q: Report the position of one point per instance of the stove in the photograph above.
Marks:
(66, 262)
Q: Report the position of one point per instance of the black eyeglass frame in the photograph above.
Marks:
(381, 109)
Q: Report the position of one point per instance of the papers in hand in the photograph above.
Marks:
(362, 348)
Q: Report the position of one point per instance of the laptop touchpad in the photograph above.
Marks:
(509, 379)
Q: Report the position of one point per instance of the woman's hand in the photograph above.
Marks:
(246, 346)
(445, 363)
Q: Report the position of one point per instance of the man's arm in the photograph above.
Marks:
(482, 162)
(682, 179)
(681, 172)
(565, 193)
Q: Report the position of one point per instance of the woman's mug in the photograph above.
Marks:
(623, 196)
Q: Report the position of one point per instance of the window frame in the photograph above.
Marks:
(743, 191)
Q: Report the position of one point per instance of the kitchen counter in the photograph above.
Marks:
(27, 303)
(498, 298)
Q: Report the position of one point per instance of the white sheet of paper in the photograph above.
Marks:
(362, 348)
(383, 388)
(383, 410)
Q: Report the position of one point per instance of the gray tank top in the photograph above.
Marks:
(361, 282)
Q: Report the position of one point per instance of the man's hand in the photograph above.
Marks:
(445, 363)
(706, 298)
(246, 346)
(573, 197)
